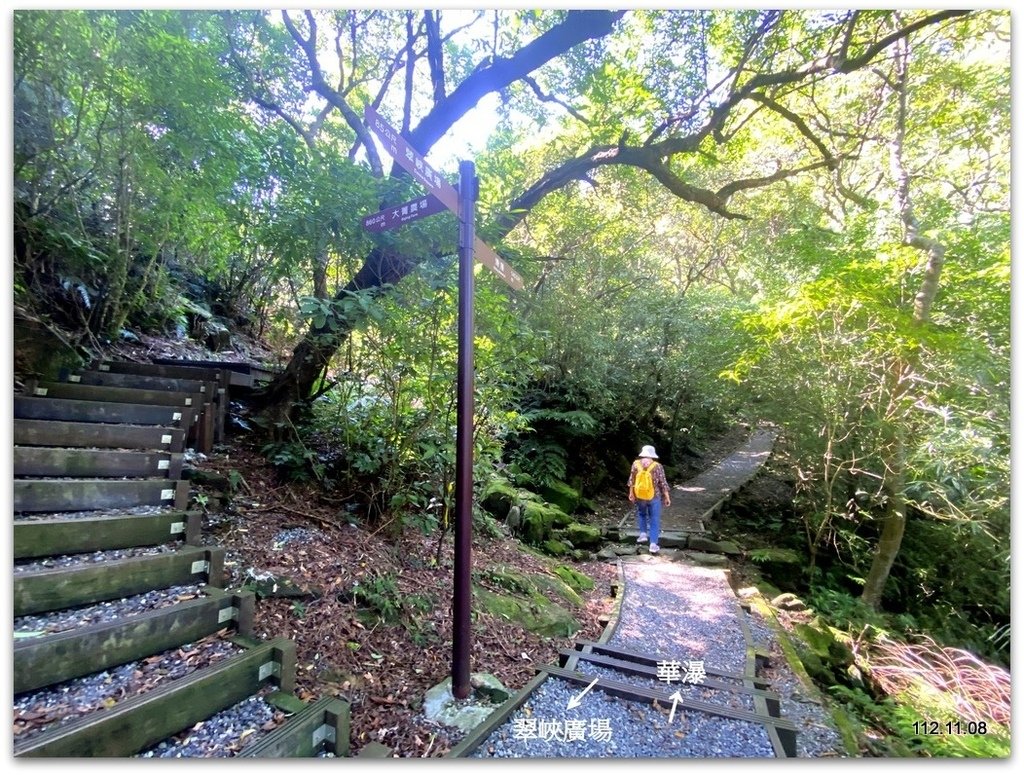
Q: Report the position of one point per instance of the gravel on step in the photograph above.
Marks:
(678, 612)
(604, 726)
(223, 734)
(669, 611)
(68, 561)
(35, 625)
(133, 511)
(60, 703)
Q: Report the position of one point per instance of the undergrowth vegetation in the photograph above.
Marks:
(819, 241)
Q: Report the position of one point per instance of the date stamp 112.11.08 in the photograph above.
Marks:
(950, 727)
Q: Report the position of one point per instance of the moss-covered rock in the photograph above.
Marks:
(561, 495)
(559, 518)
(498, 497)
(539, 520)
(581, 582)
(40, 350)
(816, 668)
(583, 536)
(706, 559)
(821, 639)
(783, 566)
(702, 544)
(534, 587)
(544, 618)
(555, 547)
(556, 586)
(508, 579)
(488, 687)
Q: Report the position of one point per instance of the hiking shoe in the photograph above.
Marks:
(642, 538)
(655, 548)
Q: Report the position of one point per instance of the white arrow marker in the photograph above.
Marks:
(576, 701)
(675, 701)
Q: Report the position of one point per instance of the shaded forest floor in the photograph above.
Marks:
(371, 614)
(369, 610)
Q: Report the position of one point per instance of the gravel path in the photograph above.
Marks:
(692, 498)
(675, 612)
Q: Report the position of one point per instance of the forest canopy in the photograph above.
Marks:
(783, 216)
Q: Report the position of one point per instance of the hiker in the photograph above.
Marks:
(646, 482)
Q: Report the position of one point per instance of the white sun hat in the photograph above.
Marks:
(648, 451)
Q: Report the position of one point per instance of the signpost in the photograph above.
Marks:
(442, 195)
(413, 163)
(407, 212)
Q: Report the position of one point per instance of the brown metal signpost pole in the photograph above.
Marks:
(462, 597)
(463, 204)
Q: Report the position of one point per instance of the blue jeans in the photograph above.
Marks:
(648, 517)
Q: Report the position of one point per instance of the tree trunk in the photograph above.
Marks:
(286, 395)
(895, 521)
(285, 398)
(893, 526)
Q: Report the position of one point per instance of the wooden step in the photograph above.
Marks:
(126, 395)
(175, 371)
(139, 381)
(227, 377)
(217, 380)
(257, 373)
(59, 588)
(77, 535)
(139, 723)
(95, 463)
(54, 495)
(74, 410)
(200, 434)
(59, 433)
(62, 656)
(322, 726)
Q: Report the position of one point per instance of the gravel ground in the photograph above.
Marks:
(673, 612)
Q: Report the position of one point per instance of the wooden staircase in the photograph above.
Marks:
(101, 515)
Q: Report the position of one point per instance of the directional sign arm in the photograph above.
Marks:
(410, 159)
